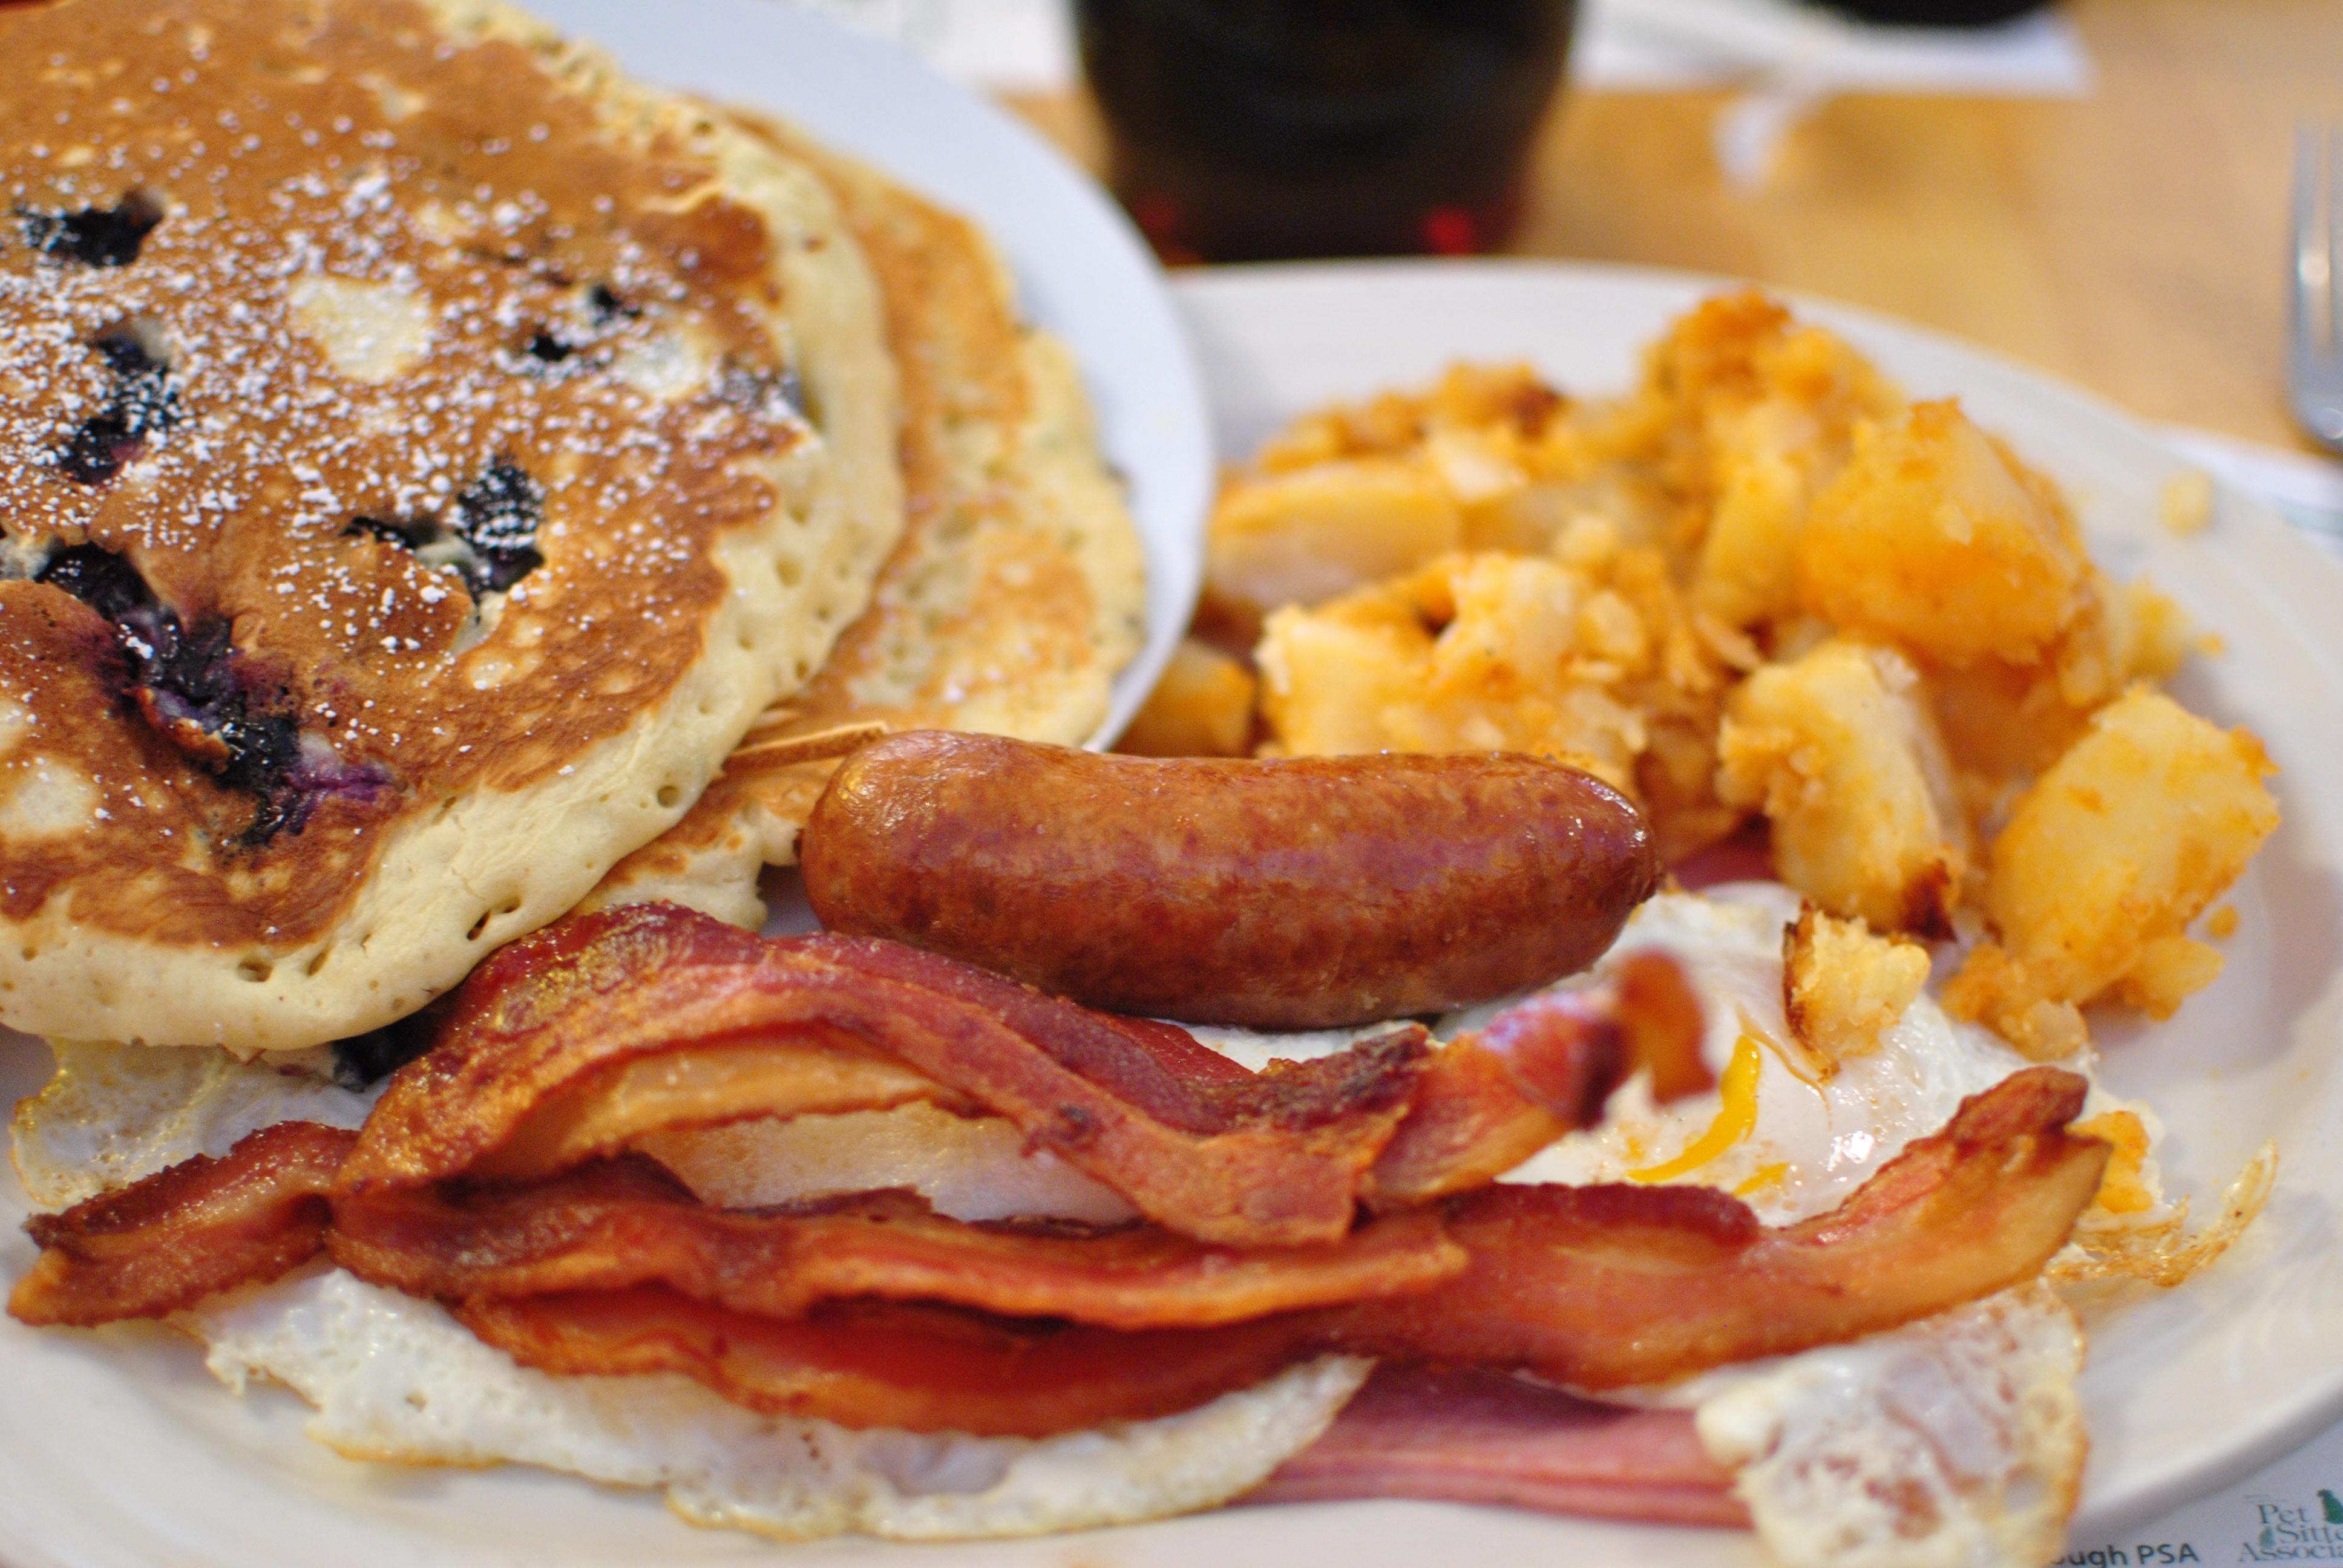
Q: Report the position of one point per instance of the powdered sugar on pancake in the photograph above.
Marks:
(422, 453)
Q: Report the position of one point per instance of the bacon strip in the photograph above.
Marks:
(202, 1226)
(574, 1044)
(1603, 1287)
(627, 1223)
(1273, 1159)
(1458, 1436)
(1660, 1013)
(795, 1072)
(1540, 1069)
(916, 1368)
(1596, 1287)
(1490, 1100)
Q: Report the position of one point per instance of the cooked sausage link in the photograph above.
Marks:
(1298, 893)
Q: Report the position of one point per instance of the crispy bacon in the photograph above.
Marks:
(1596, 1287)
(574, 1043)
(606, 1110)
(627, 1222)
(1660, 1013)
(203, 1225)
(918, 1369)
(1603, 1287)
(1540, 1069)
(616, 1270)
(1195, 1142)
(1461, 1435)
(1490, 1100)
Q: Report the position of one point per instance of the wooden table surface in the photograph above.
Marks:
(2132, 240)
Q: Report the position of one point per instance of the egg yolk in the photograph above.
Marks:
(2123, 1188)
(1735, 1116)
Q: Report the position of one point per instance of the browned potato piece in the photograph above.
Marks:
(1510, 399)
(1760, 581)
(1745, 571)
(1937, 539)
(1742, 415)
(1842, 985)
(1573, 658)
(2003, 722)
(1840, 750)
(2142, 824)
(1306, 535)
(1345, 676)
(1202, 707)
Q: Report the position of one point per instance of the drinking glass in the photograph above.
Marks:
(1246, 129)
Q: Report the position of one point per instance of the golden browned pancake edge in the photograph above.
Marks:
(1017, 592)
(422, 454)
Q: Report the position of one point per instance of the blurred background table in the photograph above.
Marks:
(2131, 239)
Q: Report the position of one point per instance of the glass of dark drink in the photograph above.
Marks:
(1249, 129)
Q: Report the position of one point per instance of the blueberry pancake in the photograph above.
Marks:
(422, 454)
(1017, 592)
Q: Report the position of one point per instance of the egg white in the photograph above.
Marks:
(397, 1380)
(1956, 1441)
(1813, 1141)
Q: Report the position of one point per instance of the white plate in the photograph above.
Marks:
(116, 1450)
(1081, 269)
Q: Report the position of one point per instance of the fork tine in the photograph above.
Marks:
(2314, 248)
(2334, 139)
(2314, 345)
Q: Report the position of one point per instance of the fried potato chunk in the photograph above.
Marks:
(1475, 653)
(1202, 707)
(2004, 723)
(2128, 837)
(1306, 535)
(1483, 459)
(1839, 749)
(1487, 398)
(1741, 415)
(1843, 986)
(1761, 582)
(1580, 655)
(1937, 539)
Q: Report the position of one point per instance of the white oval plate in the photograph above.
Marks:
(1081, 269)
(117, 1452)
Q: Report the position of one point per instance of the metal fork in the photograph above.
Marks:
(2315, 353)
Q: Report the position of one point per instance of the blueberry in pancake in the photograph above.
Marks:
(423, 452)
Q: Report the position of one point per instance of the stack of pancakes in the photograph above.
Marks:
(426, 457)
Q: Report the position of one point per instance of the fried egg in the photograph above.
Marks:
(971, 1168)
(113, 1114)
(395, 1379)
(1787, 1141)
(1956, 1440)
